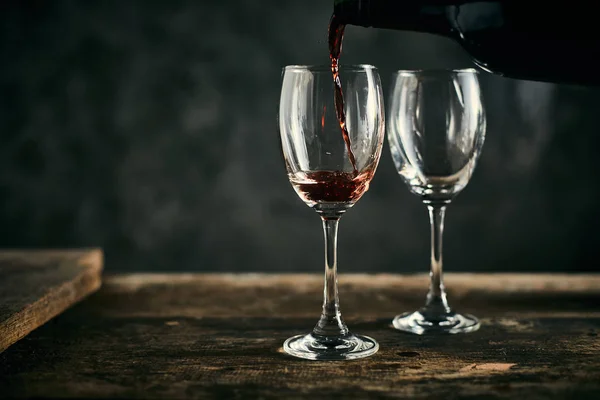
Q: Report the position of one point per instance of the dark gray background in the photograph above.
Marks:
(149, 128)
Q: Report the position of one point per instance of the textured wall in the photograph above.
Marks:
(148, 128)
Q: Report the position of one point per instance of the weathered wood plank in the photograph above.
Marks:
(220, 336)
(35, 286)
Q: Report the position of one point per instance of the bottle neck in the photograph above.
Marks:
(429, 16)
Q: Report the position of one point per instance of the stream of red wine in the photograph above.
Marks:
(336, 36)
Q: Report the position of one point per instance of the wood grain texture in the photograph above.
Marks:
(35, 286)
(220, 336)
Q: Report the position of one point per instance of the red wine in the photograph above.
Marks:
(543, 41)
(331, 186)
(336, 36)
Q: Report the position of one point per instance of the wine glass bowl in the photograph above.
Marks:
(436, 130)
(327, 172)
(330, 171)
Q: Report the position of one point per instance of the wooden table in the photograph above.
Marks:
(220, 336)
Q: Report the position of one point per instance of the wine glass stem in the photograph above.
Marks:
(436, 298)
(330, 324)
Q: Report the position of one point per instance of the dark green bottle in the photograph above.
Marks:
(544, 41)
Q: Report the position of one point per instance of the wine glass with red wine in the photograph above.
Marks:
(331, 145)
(436, 129)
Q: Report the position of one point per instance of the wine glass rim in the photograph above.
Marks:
(437, 71)
(327, 67)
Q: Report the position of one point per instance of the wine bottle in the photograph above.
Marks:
(543, 41)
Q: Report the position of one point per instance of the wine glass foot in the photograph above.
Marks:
(349, 347)
(449, 323)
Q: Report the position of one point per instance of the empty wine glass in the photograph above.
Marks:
(436, 129)
(330, 173)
